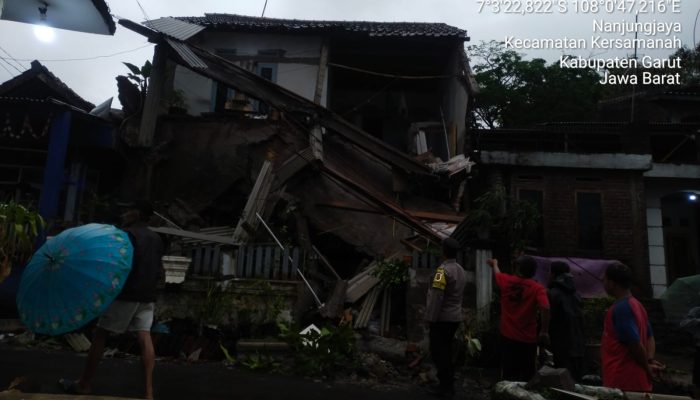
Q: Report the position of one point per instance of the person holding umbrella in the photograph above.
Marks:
(134, 306)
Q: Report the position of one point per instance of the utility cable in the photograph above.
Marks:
(8, 71)
(143, 11)
(263, 11)
(364, 71)
(87, 58)
(13, 59)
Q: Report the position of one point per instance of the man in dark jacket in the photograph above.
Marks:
(566, 320)
(133, 309)
(443, 313)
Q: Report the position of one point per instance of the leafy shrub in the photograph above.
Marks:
(391, 272)
(321, 353)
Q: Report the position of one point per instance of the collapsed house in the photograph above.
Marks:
(257, 152)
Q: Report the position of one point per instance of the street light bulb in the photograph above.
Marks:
(692, 197)
(44, 33)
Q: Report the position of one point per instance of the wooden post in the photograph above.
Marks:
(59, 134)
(154, 104)
(453, 138)
(321, 76)
(484, 287)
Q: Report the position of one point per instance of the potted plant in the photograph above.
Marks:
(177, 103)
(19, 228)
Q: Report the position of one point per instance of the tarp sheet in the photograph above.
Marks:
(588, 274)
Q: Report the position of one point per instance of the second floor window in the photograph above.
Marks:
(590, 220)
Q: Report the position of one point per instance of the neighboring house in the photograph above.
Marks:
(391, 79)
(607, 190)
(53, 151)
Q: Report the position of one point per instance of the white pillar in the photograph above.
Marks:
(484, 287)
(657, 257)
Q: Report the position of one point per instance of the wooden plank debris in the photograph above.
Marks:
(367, 307)
(386, 312)
(256, 204)
(194, 235)
(333, 307)
(324, 261)
(361, 283)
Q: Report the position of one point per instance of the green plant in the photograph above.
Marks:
(321, 353)
(258, 362)
(140, 76)
(177, 99)
(503, 218)
(391, 272)
(216, 303)
(19, 228)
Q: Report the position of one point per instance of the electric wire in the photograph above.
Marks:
(86, 58)
(263, 11)
(12, 58)
(143, 11)
(8, 71)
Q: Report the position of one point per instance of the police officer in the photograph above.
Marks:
(443, 313)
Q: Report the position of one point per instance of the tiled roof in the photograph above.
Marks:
(374, 29)
(14, 87)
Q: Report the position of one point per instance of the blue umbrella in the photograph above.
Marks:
(73, 278)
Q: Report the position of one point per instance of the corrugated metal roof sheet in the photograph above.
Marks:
(187, 55)
(175, 28)
(375, 29)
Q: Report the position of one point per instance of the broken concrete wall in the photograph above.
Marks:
(236, 303)
(205, 160)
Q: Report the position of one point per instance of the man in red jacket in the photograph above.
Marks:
(628, 346)
(521, 299)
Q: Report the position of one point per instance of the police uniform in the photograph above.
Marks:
(444, 313)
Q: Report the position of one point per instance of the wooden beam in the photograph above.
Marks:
(433, 216)
(255, 204)
(194, 235)
(325, 262)
(321, 75)
(154, 105)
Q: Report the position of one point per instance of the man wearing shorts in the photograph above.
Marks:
(132, 311)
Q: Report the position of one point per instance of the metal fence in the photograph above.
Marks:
(249, 262)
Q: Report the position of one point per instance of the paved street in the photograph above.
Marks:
(121, 377)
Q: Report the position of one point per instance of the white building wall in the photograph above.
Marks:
(297, 77)
(662, 180)
(657, 257)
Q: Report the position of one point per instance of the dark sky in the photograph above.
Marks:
(94, 80)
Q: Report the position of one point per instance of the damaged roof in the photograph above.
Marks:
(244, 23)
(40, 83)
